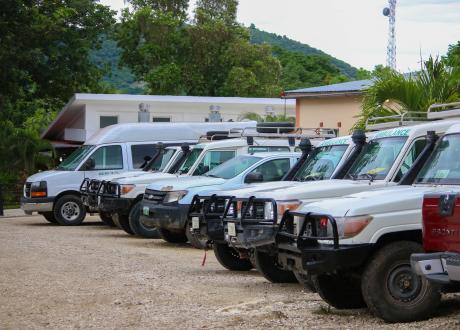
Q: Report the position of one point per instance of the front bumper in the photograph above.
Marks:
(171, 216)
(205, 217)
(441, 267)
(115, 204)
(302, 252)
(29, 205)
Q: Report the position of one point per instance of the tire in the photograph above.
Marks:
(194, 241)
(306, 281)
(172, 237)
(106, 218)
(123, 221)
(230, 258)
(69, 210)
(137, 227)
(390, 288)
(49, 216)
(341, 291)
(267, 265)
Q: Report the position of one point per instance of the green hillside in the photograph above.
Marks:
(259, 37)
(303, 66)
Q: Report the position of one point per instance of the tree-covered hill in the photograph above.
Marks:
(259, 37)
(302, 65)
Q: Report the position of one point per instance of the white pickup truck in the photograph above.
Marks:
(385, 160)
(358, 247)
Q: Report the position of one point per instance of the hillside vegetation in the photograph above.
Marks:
(301, 65)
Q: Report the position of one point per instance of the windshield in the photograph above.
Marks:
(75, 158)
(377, 158)
(159, 163)
(191, 159)
(233, 167)
(321, 164)
(443, 167)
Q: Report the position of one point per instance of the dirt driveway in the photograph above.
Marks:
(93, 276)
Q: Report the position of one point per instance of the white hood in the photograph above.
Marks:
(316, 190)
(254, 188)
(146, 178)
(184, 183)
(377, 202)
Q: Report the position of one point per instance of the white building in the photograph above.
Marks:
(84, 114)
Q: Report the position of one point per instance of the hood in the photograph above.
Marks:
(118, 176)
(383, 200)
(43, 176)
(145, 178)
(253, 188)
(184, 183)
(320, 189)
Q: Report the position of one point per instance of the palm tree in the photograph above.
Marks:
(395, 93)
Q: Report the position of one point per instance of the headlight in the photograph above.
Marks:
(284, 206)
(174, 196)
(347, 227)
(126, 188)
(38, 189)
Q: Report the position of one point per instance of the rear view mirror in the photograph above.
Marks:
(254, 177)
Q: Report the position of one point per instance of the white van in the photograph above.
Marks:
(113, 149)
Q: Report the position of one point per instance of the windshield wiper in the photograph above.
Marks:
(212, 176)
(369, 176)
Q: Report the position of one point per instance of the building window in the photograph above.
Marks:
(105, 121)
(161, 119)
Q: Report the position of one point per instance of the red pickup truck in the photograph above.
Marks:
(441, 239)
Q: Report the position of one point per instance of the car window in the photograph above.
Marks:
(377, 158)
(212, 159)
(273, 170)
(108, 158)
(233, 167)
(443, 166)
(321, 163)
(190, 160)
(410, 158)
(159, 163)
(140, 152)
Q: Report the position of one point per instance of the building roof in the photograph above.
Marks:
(82, 97)
(346, 88)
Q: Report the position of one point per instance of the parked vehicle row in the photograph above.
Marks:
(350, 240)
(340, 215)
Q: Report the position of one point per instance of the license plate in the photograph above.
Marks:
(231, 229)
(195, 223)
(146, 210)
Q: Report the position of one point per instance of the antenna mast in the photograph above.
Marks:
(390, 12)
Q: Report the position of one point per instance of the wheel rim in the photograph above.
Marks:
(403, 285)
(70, 211)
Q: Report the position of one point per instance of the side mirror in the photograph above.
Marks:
(201, 169)
(254, 177)
(89, 165)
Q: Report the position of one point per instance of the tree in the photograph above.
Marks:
(44, 48)
(395, 93)
(268, 119)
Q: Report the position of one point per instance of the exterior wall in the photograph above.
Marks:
(328, 110)
(127, 112)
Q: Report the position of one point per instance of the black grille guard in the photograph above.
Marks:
(210, 225)
(103, 191)
(251, 231)
(304, 239)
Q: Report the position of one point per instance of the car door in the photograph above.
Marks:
(105, 160)
(273, 170)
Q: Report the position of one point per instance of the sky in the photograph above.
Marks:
(355, 30)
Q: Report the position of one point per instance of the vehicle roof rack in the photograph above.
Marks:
(393, 121)
(444, 110)
(273, 132)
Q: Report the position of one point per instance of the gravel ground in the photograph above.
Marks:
(93, 276)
